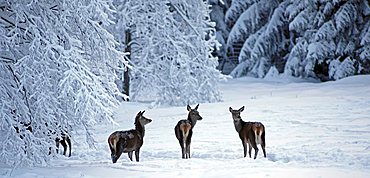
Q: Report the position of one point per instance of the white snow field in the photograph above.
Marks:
(312, 130)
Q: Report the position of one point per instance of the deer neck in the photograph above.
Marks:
(140, 128)
(238, 125)
(192, 121)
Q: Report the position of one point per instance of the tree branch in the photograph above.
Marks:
(185, 18)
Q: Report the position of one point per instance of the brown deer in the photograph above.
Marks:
(251, 133)
(184, 130)
(128, 141)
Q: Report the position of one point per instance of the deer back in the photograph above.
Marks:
(129, 140)
(247, 131)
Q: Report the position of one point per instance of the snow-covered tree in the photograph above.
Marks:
(331, 37)
(300, 15)
(262, 28)
(58, 66)
(171, 51)
(237, 7)
(364, 49)
(217, 15)
(338, 69)
(300, 38)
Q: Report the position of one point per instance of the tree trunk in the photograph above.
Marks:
(126, 76)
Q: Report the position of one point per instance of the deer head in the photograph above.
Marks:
(142, 120)
(193, 115)
(236, 113)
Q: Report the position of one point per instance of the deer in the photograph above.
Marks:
(65, 140)
(251, 133)
(62, 137)
(128, 141)
(184, 130)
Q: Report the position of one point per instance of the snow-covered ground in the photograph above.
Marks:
(312, 130)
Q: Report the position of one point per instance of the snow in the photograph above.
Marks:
(312, 130)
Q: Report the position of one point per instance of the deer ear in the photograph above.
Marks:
(188, 107)
(241, 109)
(230, 109)
(196, 107)
(142, 112)
(139, 113)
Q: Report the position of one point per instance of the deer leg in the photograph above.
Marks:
(255, 149)
(64, 144)
(185, 151)
(263, 144)
(182, 149)
(186, 148)
(245, 147)
(69, 145)
(57, 141)
(182, 145)
(188, 142)
(188, 151)
(137, 153)
(180, 138)
(130, 155)
(250, 149)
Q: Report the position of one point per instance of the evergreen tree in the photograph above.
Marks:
(261, 27)
(330, 39)
(319, 39)
(217, 15)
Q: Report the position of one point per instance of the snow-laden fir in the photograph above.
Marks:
(312, 130)
(326, 39)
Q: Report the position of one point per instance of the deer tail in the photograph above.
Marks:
(258, 130)
(185, 127)
(112, 141)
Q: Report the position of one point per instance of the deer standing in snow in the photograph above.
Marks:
(61, 137)
(128, 141)
(65, 140)
(251, 133)
(184, 130)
